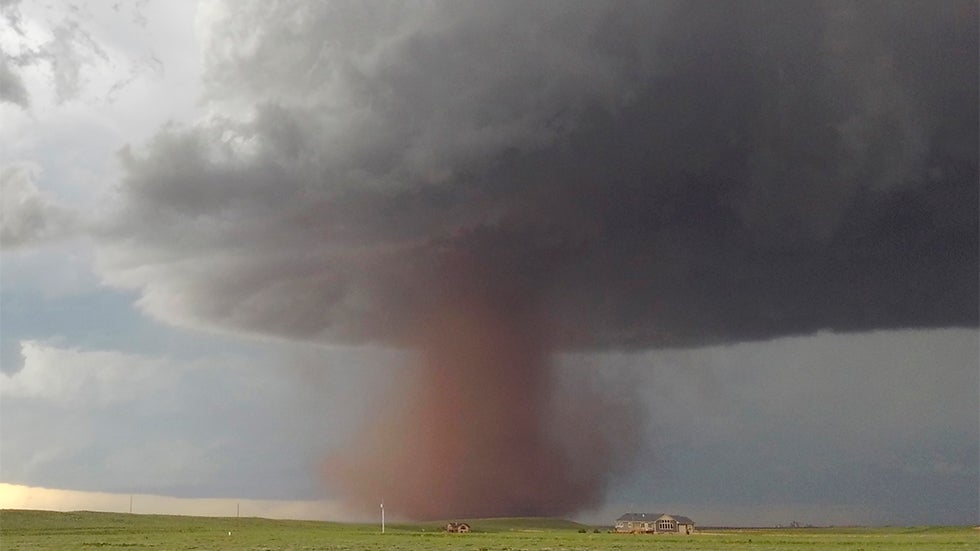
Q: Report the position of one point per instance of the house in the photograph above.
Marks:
(457, 527)
(654, 523)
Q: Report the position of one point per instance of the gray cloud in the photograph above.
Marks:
(11, 85)
(884, 423)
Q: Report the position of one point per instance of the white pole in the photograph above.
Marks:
(382, 516)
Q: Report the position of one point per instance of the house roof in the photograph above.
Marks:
(650, 517)
(640, 516)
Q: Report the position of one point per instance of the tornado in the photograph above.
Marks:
(472, 428)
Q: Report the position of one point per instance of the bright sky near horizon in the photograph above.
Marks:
(213, 213)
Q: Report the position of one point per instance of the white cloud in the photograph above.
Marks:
(72, 377)
(67, 53)
(94, 79)
(250, 422)
(28, 215)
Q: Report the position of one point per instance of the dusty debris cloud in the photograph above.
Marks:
(487, 183)
(475, 429)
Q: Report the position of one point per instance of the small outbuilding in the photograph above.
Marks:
(654, 523)
(457, 528)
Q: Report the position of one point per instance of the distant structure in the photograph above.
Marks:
(650, 523)
(457, 528)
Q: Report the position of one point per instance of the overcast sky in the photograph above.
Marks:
(715, 260)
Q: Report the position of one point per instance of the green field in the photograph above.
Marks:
(87, 530)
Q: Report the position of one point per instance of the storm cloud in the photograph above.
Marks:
(486, 183)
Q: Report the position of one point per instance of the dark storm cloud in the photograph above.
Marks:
(653, 174)
(555, 175)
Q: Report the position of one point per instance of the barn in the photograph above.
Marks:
(654, 523)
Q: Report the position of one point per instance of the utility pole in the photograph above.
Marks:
(382, 516)
(130, 503)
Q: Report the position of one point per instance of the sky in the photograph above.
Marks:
(487, 259)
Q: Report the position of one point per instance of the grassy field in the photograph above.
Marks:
(87, 530)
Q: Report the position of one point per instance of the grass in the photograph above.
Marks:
(37, 530)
